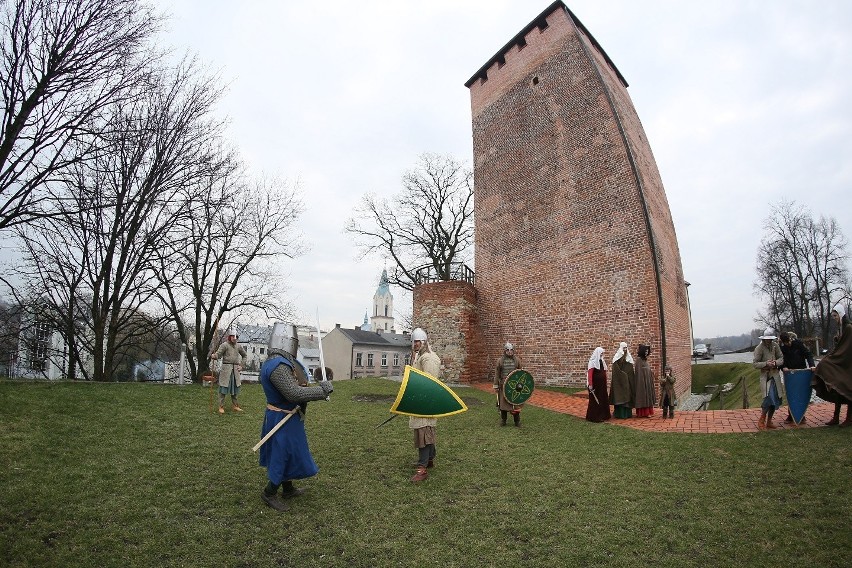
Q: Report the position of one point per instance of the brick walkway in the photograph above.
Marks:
(709, 421)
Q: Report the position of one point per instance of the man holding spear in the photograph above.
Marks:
(284, 448)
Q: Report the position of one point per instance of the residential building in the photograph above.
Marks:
(354, 353)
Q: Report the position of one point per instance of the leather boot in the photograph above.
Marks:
(770, 425)
(287, 490)
(431, 463)
(761, 424)
(420, 475)
(273, 501)
(671, 413)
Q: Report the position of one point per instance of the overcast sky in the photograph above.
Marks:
(745, 103)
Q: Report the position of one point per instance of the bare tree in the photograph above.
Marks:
(62, 63)
(123, 205)
(827, 261)
(223, 258)
(801, 270)
(430, 222)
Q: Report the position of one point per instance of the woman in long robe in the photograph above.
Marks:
(646, 393)
(621, 389)
(598, 409)
(833, 375)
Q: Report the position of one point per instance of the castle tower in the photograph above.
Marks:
(383, 306)
(575, 244)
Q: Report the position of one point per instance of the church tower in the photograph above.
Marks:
(575, 243)
(382, 318)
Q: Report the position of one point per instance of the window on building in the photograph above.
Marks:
(386, 311)
(384, 359)
(396, 359)
(262, 349)
(41, 344)
(358, 362)
(369, 359)
(408, 359)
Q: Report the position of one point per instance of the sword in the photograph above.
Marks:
(322, 359)
(386, 421)
(592, 392)
(275, 428)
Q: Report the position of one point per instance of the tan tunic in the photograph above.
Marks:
(505, 365)
(762, 354)
(428, 362)
(231, 356)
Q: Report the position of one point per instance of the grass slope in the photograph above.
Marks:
(141, 475)
(721, 373)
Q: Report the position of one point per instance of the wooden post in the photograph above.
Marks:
(745, 392)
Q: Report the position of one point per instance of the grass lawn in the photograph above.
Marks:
(144, 475)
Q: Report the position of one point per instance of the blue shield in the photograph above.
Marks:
(798, 387)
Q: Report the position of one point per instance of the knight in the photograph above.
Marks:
(286, 455)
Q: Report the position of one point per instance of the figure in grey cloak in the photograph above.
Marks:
(645, 396)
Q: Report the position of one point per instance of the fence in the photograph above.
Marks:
(454, 271)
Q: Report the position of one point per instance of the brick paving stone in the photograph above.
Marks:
(698, 421)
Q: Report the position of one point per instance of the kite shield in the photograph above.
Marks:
(518, 387)
(425, 396)
(798, 387)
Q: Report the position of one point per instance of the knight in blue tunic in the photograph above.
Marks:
(286, 455)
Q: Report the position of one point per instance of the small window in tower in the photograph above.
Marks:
(535, 81)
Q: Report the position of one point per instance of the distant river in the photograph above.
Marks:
(728, 358)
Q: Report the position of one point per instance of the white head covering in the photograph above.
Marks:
(597, 357)
(840, 311)
(768, 333)
(622, 349)
(508, 347)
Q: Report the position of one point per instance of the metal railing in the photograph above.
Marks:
(454, 271)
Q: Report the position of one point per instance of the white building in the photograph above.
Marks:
(382, 307)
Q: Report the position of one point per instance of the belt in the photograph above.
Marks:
(276, 409)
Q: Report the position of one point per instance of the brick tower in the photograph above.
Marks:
(575, 244)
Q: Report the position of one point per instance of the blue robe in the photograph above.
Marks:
(286, 455)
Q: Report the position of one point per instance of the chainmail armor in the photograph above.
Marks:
(285, 382)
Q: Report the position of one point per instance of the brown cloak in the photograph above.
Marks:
(621, 389)
(646, 393)
(834, 371)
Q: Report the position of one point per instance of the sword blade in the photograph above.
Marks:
(386, 421)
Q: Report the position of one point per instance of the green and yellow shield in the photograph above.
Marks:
(518, 386)
(425, 396)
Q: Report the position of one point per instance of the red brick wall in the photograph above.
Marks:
(447, 311)
(564, 175)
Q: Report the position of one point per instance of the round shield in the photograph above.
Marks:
(518, 386)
